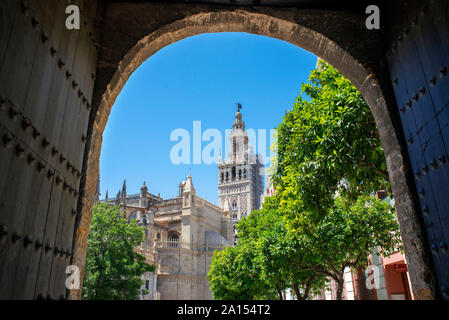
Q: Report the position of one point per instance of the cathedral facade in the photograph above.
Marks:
(181, 235)
(240, 184)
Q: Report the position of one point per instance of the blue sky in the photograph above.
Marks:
(197, 79)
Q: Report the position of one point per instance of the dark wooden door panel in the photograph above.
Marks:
(418, 68)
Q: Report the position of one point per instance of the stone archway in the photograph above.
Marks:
(131, 35)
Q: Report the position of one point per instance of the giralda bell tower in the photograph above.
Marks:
(240, 183)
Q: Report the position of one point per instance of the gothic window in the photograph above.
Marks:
(222, 177)
(227, 176)
(240, 174)
(233, 173)
(173, 240)
(158, 236)
(244, 174)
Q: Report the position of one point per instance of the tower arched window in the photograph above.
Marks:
(173, 240)
(240, 174)
(244, 174)
(233, 173)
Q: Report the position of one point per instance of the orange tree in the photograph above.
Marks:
(327, 143)
(347, 234)
(113, 267)
(330, 159)
(265, 263)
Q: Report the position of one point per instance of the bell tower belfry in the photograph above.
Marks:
(240, 183)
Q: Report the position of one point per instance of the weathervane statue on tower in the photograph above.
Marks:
(239, 106)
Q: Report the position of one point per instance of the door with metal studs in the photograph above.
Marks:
(419, 62)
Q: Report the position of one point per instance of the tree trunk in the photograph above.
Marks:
(297, 292)
(308, 285)
(279, 293)
(340, 284)
(362, 292)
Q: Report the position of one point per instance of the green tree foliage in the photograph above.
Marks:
(329, 136)
(234, 275)
(330, 159)
(265, 262)
(348, 234)
(113, 267)
(280, 252)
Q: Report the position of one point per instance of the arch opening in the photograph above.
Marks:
(281, 26)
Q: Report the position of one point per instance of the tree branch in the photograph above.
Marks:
(308, 286)
(378, 170)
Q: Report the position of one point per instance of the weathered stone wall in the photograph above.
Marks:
(212, 217)
(182, 274)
